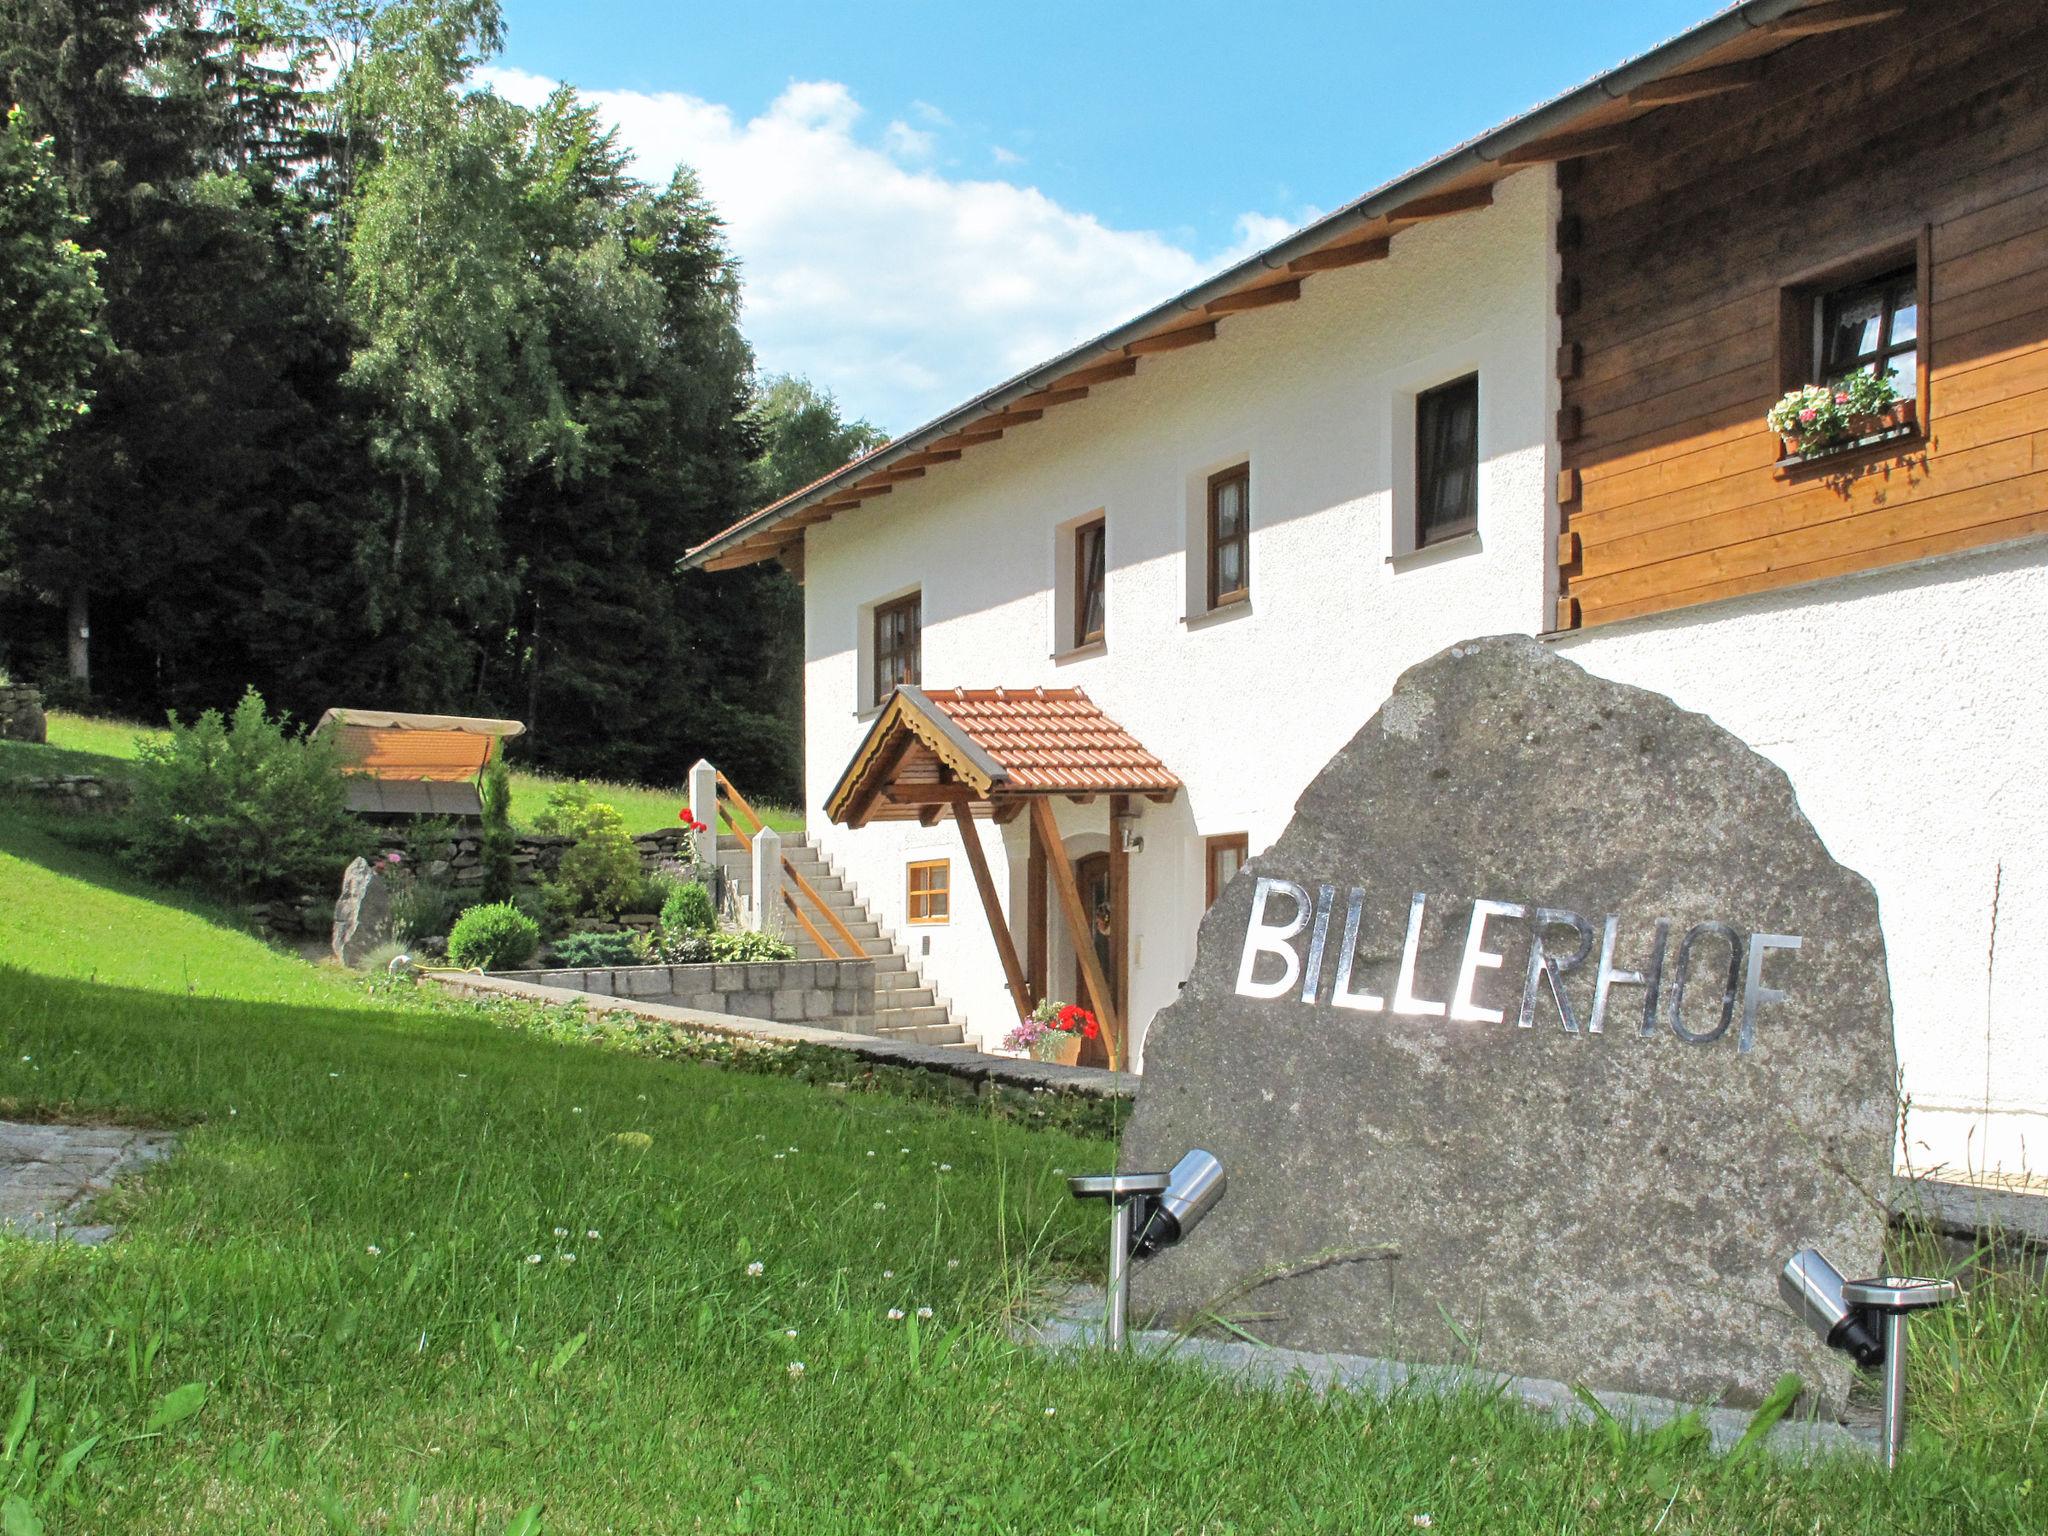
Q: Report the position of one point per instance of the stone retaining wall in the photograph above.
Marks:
(786, 991)
(72, 791)
(21, 714)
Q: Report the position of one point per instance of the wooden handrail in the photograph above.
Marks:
(739, 800)
(838, 923)
(729, 794)
(817, 938)
(738, 831)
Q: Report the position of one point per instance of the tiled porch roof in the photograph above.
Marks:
(1054, 741)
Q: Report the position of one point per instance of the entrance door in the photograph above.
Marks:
(1091, 874)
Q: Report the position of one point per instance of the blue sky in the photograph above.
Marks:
(926, 198)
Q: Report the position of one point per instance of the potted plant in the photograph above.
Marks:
(1054, 1032)
(1816, 418)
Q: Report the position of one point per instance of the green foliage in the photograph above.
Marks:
(749, 946)
(497, 845)
(494, 936)
(600, 870)
(580, 949)
(688, 910)
(50, 326)
(243, 806)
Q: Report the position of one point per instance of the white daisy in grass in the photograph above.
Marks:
(881, 1206)
(895, 1314)
(561, 1231)
(1049, 1413)
(757, 1269)
(952, 1263)
(789, 1333)
(567, 1258)
(945, 1167)
(373, 1250)
(533, 1258)
(796, 1369)
(591, 1234)
(924, 1312)
(888, 1274)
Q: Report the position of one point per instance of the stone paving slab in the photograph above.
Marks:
(1076, 1325)
(50, 1173)
(1011, 1071)
(1968, 1210)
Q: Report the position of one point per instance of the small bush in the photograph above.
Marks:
(600, 870)
(653, 894)
(688, 910)
(669, 947)
(747, 947)
(581, 949)
(496, 936)
(243, 807)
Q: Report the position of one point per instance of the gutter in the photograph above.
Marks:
(1475, 154)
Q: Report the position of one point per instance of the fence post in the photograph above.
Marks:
(767, 914)
(704, 808)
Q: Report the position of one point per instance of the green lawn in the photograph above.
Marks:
(348, 1303)
(82, 744)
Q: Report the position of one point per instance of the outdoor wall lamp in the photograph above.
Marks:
(1127, 839)
(1148, 1212)
(1865, 1319)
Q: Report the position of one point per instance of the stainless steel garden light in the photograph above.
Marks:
(1893, 1297)
(1148, 1212)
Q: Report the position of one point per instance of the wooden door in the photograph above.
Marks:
(1091, 874)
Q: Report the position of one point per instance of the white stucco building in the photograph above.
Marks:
(1295, 503)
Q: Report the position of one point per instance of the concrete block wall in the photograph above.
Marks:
(836, 994)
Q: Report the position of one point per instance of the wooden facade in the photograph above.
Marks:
(1690, 253)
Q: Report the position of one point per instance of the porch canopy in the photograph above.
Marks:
(1005, 753)
(417, 765)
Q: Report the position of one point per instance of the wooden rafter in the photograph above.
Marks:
(1440, 205)
(1833, 17)
(1255, 298)
(1097, 373)
(1043, 398)
(1565, 146)
(971, 438)
(1699, 83)
(1331, 257)
(1174, 340)
(998, 925)
(1080, 936)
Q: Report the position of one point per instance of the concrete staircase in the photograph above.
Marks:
(905, 1008)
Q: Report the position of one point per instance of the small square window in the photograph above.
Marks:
(929, 891)
(899, 631)
(1226, 856)
(1230, 536)
(1091, 581)
(1447, 461)
(1872, 326)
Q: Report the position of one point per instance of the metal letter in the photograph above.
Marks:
(1405, 1000)
(1313, 973)
(1341, 995)
(1728, 992)
(1546, 966)
(1261, 937)
(1477, 955)
(1753, 990)
(1655, 980)
(1608, 976)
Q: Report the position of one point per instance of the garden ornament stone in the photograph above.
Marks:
(1543, 1033)
(362, 917)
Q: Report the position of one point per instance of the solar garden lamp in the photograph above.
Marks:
(1866, 1320)
(1894, 1298)
(1148, 1212)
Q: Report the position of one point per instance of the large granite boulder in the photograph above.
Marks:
(362, 916)
(1442, 1148)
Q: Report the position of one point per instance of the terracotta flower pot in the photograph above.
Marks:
(1062, 1049)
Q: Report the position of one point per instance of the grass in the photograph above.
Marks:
(322, 1314)
(85, 744)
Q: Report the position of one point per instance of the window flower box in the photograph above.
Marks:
(1820, 419)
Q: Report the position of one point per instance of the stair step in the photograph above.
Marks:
(896, 981)
(924, 1034)
(900, 1018)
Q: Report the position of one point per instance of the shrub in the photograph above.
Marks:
(496, 936)
(242, 806)
(580, 949)
(666, 947)
(747, 947)
(653, 894)
(600, 869)
(688, 910)
(497, 846)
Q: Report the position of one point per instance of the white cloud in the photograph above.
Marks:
(1004, 156)
(901, 289)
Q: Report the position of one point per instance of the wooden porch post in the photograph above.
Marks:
(1079, 932)
(1120, 898)
(1036, 960)
(999, 927)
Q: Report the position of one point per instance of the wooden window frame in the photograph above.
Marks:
(1425, 537)
(912, 603)
(1800, 306)
(1222, 843)
(918, 904)
(1241, 476)
(1099, 527)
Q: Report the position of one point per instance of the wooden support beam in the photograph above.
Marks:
(1567, 485)
(1568, 546)
(1035, 947)
(930, 794)
(1007, 811)
(972, 437)
(1833, 17)
(929, 456)
(1564, 146)
(1004, 419)
(1441, 205)
(1080, 932)
(1254, 298)
(1698, 84)
(1173, 341)
(1568, 614)
(1330, 257)
(998, 925)
(929, 816)
(1082, 799)
(1036, 403)
(897, 473)
(1097, 373)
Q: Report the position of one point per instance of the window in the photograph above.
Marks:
(1230, 536)
(929, 890)
(899, 630)
(1447, 461)
(1091, 581)
(1872, 326)
(1226, 858)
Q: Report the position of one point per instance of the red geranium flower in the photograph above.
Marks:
(1071, 1016)
(1089, 1030)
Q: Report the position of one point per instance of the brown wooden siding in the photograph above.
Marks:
(1928, 131)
